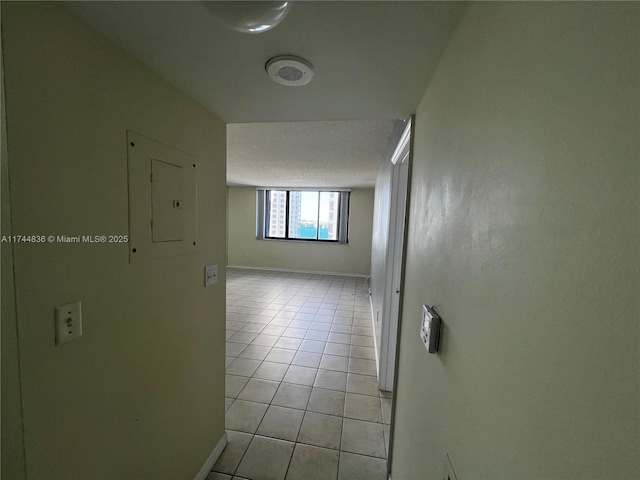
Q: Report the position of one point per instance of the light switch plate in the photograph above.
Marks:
(68, 319)
(210, 275)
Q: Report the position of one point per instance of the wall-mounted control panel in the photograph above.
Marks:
(430, 329)
(68, 320)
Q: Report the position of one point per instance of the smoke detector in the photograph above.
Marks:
(289, 70)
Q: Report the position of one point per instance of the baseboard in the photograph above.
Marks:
(208, 465)
(313, 272)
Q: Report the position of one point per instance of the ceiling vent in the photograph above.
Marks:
(289, 70)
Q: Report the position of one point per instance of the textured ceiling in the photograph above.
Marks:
(306, 154)
(372, 60)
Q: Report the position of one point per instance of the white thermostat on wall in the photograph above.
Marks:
(430, 329)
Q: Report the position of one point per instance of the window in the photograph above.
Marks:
(310, 215)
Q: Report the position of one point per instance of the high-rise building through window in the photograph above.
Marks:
(304, 214)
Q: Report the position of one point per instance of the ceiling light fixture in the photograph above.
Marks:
(289, 70)
(250, 17)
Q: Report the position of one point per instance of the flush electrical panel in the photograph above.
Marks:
(167, 206)
(162, 199)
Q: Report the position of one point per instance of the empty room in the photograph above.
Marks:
(320, 240)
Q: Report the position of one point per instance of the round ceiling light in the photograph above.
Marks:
(289, 70)
(250, 17)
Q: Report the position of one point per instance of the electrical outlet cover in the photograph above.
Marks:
(210, 275)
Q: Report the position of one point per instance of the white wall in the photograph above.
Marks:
(379, 244)
(524, 231)
(141, 394)
(246, 251)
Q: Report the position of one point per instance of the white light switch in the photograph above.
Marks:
(68, 318)
(210, 275)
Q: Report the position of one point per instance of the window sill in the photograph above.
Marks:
(308, 242)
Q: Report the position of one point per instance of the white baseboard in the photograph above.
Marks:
(208, 465)
(314, 272)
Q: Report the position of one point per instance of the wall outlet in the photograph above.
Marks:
(68, 319)
(210, 275)
(449, 474)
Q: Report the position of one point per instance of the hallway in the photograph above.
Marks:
(301, 392)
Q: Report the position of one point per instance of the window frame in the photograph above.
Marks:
(263, 208)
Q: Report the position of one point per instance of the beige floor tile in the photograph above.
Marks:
(260, 319)
(307, 359)
(330, 402)
(266, 459)
(338, 328)
(362, 384)
(341, 349)
(280, 355)
(300, 375)
(361, 340)
(321, 322)
(288, 343)
(339, 338)
(234, 325)
(365, 331)
(362, 407)
(314, 346)
(362, 352)
(271, 371)
(365, 438)
(361, 322)
(256, 352)
(234, 349)
(293, 396)
(273, 330)
(281, 422)
(265, 340)
(318, 335)
(244, 416)
(360, 467)
(234, 385)
(294, 332)
(342, 320)
(304, 317)
(321, 430)
(258, 390)
(252, 328)
(362, 366)
(242, 337)
(313, 463)
(243, 366)
(334, 362)
(280, 321)
(331, 380)
(229, 459)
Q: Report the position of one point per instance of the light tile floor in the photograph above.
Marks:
(302, 401)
